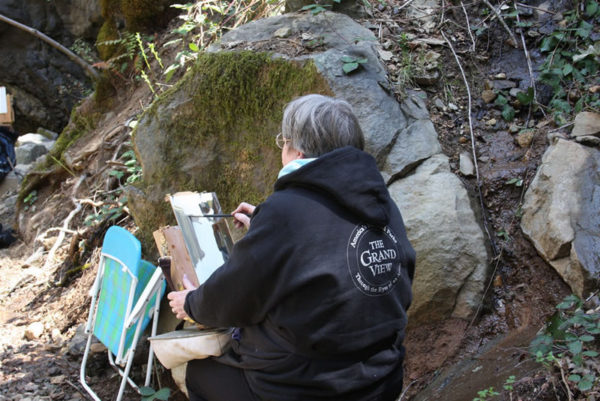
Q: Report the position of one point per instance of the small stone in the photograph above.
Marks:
(500, 76)
(96, 348)
(491, 122)
(513, 128)
(452, 107)
(586, 123)
(514, 92)
(532, 33)
(488, 85)
(524, 138)
(31, 387)
(466, 165)
(34, 331)
(284, 32)
(439, 104)
(58, 379)
(427, 78)
(484, 159)
(488, 96)
(55, 334)
(463, 139)
(385, 55)
(502, 84)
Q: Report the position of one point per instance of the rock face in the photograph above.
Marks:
(451, 253)
(560, 213)
(44, 82)
(215, 136)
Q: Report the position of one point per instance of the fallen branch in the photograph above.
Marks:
(89, 70)
(564, 379)
(510, 33)
(65, 226)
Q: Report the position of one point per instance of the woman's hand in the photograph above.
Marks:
(241, 215)
(177, 299)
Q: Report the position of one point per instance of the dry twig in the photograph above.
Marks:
(529, 67)
(510, 33)
(485, 225)
(468, 26)
(61, 236)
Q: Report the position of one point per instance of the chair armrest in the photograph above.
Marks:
(153, 285)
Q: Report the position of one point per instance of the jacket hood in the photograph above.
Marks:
(350, 176)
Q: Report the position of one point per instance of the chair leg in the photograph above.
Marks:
(155, 314)
(82, 379)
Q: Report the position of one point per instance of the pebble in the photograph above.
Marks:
(55, 334)
(34, 331)
(488, 95)
(513, 128)
(501, 84)
(524, 138)
(514, 91)
(500, 75)
(58, 379)
(466, 165)
(283, 32)
(439, 104)
(452, 106)
(491, 122)
(463, 139)
(96, 348)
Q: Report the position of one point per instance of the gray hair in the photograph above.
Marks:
(317, 124)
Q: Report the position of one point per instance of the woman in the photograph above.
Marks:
(319, 285)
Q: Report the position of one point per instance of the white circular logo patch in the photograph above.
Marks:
(373, 259)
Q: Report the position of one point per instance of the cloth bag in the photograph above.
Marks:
(178, 347)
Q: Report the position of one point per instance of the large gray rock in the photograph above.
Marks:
(560, 213)
(380, 115)
(411, 146)
(451, 253)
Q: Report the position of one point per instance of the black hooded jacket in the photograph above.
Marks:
(319, 286)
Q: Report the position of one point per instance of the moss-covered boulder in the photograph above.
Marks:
(215, 131)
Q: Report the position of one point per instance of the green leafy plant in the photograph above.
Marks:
(350, 64)
(517, 182)
(149, 394)
(110, 210)
(316, 8)
(569, 342)
(30, 199)
(203, 23)
(484, 395)
(508, 112)
(572, 62)
(503, 234)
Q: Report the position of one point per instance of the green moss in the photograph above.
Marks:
(227, 111)
(108, 32)
(104, 93)
(145, 15)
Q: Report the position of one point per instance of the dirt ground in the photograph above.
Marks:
(522, 289)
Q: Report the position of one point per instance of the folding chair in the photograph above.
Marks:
(125, 295)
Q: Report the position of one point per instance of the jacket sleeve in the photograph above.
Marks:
(251, 282)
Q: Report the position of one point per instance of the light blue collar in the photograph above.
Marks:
(294, 165)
